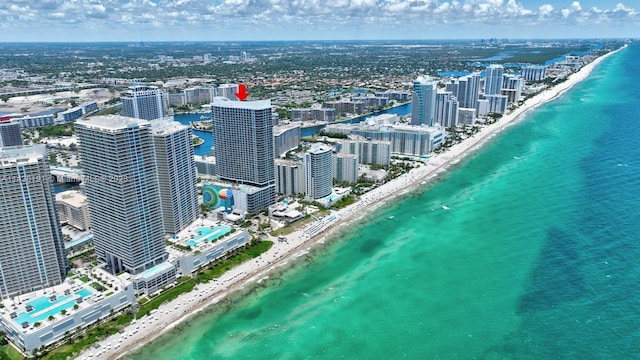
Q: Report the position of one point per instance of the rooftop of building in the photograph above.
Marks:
(54, 304)
(112, 122)
(72, 197)
(287, 162)
(166, 126)
(279, 129)
(318, 148)
(199, 235)
(220, 101)
(11, 155)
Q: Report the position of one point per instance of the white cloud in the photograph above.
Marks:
(545, 9)
(290, 16)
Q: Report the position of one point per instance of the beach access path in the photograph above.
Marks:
(298, 243)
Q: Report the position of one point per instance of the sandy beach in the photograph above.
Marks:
(170, 314)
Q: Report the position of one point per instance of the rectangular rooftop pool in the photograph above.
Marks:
(206, 234)
(43, 306)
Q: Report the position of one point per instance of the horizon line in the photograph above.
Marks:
(317, 40)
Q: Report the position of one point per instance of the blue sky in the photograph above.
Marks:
(159, 20)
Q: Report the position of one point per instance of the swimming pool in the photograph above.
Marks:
(43, 306)
(206, 234)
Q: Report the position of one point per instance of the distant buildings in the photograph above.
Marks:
(121, 183)
(31, 249)
(409, 140)
(423, 101)
(205, 165)
(144, 102)
(320, 114)
(73, 209)
(199, 95)
(173, 150)
(345, 107)
(534, 72)
(228, 91)
(244, 147)
(34, 121)
(285, 138)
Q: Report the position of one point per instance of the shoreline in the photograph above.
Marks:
(251, 273)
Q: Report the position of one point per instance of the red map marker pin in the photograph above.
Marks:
(242, 92)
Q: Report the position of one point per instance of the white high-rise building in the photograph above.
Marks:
(144, 102)
(534, 72)
(446, 109)
(493, 79)
(121, 184)
(289, 177)
(318, 168)
(228, 91)
(32, 253)
(376, 152)
(423, 101)
(73, 209)
(243, 132)
(512, 86)
(173, 148)
(466, 89)
(345, 168)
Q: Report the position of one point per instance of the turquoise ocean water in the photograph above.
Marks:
(536, 257)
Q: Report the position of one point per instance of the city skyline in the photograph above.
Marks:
(237, 20)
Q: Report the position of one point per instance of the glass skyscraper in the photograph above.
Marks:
(10, 133)
(423, 101)
(318, 168)
(121, 183)
(243, 133)
(173, 147)
(32, 253)
(493, 79)
(144, 102)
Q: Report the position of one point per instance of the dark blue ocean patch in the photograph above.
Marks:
(557, 277)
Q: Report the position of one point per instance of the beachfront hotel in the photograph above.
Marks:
(446, 109)
(368, 151)
(121, 183)
(289, 177)
(493, 79)
(31, 249)
(144, 102)
(318, 167)
(405, 139)
(345, 168)
(244, 147)
(466, 89)
(423, 101)
(173, 150)
(534, 72)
